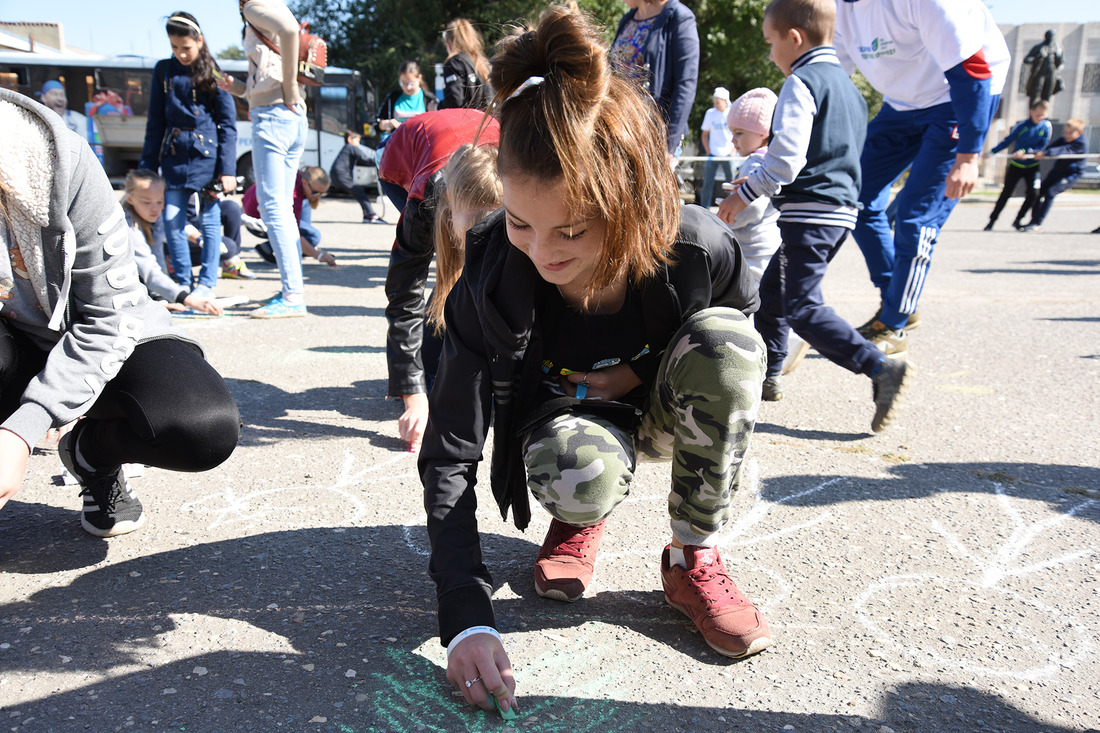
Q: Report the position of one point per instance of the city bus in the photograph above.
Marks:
(113, 92)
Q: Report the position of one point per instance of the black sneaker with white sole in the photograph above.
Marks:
(110, 506)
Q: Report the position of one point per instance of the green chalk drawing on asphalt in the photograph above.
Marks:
(415, 697)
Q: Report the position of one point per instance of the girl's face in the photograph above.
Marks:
(564, 247)
(409, 82)
(147, 200)
(745, 142)
(185, 49)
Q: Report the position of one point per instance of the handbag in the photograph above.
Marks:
(312, 54)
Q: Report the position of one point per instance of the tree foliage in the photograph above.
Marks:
(375, 36)
(233, 53)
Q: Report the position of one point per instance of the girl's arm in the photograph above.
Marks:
(454, 84)
(410, 262)
(107, 307)
(225, 117)
(274, 20)
(154, 125)
(685, 75)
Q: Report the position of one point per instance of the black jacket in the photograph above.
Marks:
(462, 87)
(491, 361)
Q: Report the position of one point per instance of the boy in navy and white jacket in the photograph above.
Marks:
(1064, 173)
(811, 172)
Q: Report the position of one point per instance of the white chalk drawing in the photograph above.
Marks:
(1031, 639)
(282, 506)
(1023, 639)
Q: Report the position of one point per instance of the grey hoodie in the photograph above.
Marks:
(76, 246)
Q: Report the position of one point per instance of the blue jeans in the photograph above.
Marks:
(710, 168)
(309, 232)
(278, 139)
(1053, 185)
(210, 222)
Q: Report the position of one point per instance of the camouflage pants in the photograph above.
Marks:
(701, 416)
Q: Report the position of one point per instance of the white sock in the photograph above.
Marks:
(294, 298)
(676, 556)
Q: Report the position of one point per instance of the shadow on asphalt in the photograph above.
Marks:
(316, 629)
(1064, 488)
(268, 411)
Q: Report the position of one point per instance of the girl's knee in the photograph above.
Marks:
(716, 346)
(579, 470)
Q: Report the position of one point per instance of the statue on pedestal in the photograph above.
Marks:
(1045, 78)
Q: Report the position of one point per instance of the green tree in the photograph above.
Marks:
(375, 36)
(234, 53)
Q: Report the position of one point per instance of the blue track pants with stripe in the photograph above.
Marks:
(923, 141)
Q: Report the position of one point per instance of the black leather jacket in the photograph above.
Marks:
(491, 368)
(410, 263)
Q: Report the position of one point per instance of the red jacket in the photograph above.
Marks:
(422, 146)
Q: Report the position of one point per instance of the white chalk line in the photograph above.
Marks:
(256, 506)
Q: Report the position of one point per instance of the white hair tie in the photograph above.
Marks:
(186, 21)
(531, 82)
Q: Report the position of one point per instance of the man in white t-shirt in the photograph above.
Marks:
(940, 65)
(718, 143)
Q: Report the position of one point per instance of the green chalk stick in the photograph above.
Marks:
(508, 714)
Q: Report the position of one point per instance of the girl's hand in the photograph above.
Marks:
(225, 83)
(13, 464)
(604, 384)
(412, 423)
(482, 658)
(326, 258)
(229, 184)
(194, 302)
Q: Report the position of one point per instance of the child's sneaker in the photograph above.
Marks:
(567, 560)
(277, 307)
(374, 220)
(888, 341)
(264, 250)
(798, 347)
(705, 593)
(772, 389)
(238, 270)
(110, 507)
(888, 386)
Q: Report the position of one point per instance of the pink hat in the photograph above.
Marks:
(752, 111)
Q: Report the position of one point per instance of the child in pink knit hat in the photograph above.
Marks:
(750, 120)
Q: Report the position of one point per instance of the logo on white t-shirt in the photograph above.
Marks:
(879, 47)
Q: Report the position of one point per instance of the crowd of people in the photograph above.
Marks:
(593, 319)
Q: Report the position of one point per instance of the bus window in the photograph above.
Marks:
(334, 115)
(128, 86)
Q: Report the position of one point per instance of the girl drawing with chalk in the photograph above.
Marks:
(597, 322)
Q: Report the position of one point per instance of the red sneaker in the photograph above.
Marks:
(705, 593)
(567, 559)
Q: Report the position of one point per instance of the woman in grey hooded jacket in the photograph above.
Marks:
(80, 337)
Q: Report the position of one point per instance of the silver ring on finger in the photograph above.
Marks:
(470, 683)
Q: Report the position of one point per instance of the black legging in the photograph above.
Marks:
(166, 407)
(1013, 175)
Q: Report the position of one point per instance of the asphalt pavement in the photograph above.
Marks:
(939, 576)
